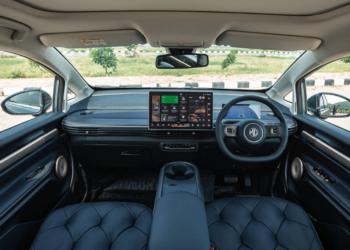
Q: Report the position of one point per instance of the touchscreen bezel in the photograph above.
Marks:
(171, 93)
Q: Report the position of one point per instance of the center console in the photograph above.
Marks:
(179, 217)
(179, 176)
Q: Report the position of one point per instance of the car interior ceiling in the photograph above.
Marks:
(178, 164)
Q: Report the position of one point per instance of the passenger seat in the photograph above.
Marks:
(102, 225)
(260, 223)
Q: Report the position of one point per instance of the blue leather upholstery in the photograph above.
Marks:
(101, 225)
(259, 223)
(179, 223)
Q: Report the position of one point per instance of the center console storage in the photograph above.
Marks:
(179, 218)
(179, 176)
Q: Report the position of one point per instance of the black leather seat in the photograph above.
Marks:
(101, 225)
(259, 223)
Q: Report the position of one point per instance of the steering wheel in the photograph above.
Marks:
(251, 133)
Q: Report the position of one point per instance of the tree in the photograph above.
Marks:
(346, 59)
(229, 60)
(131, 47)
(104, 57)
(35, 65)
(132, 50)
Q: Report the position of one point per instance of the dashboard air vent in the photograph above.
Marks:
(105, 131)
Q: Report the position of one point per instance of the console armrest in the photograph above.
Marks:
(179, 222)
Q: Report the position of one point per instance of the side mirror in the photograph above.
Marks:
(326, 105)
(182, 61)
(29, 102)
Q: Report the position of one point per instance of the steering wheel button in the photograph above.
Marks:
(229, 130)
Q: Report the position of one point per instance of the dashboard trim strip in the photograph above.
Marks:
(105, 126)
(130, 126)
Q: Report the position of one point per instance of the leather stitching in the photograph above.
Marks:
(214, 222)
(85, 233)
(129, 211)
(225, 205)
(121, 233)
(141, 230)
(50, 229)
(110, 211)
(65, 219)
(312, 242)
(212, 243)
(140, 214)
(101, 222)
(276, 205)
(282, 208)
(230, 226)
(76, 211)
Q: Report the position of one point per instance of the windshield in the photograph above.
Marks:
(134, 67)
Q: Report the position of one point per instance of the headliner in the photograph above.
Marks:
(286, 7)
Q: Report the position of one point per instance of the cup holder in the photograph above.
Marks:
(179, 172)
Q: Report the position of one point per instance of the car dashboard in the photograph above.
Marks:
(111, 126)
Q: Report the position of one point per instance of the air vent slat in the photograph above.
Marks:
(93, 131)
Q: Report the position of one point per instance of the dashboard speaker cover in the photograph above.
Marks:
(297, 169)
(61, 167)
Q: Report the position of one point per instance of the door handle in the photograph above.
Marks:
(34, 173)
(131, 153)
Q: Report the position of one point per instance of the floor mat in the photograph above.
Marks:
(224, 192)
(137, 186)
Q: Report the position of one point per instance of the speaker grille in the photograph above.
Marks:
(61, 167)
(297, 169)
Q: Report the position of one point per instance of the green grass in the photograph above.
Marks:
(19, 68)
(336, 67)
(145, 65)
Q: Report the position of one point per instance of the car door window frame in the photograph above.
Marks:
(59, 103)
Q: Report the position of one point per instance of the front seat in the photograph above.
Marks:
(259, 223)
(101, 225)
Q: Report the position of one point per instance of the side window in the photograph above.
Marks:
(70, 95)
(328, 93)
(19, 74)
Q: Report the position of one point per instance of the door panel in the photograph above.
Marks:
(324, 189)
(25, 202)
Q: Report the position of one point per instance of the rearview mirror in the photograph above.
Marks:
(182, 61)
(29, 102)
(325, 105)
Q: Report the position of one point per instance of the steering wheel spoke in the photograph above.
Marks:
(230, 130)
(273, 131)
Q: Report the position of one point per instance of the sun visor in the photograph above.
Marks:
(267, 41)
(93, 39)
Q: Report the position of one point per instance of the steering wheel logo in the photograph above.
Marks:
(253, 132)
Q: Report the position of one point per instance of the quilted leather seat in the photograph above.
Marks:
(101, 225)
(259, 223)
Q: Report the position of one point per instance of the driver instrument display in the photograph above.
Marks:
(181, 110)
(244, 111)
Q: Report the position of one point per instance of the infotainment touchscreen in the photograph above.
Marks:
(181, 110)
